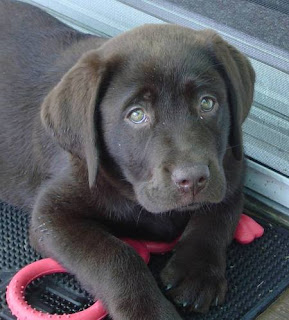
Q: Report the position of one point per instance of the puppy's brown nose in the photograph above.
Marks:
(191, 178)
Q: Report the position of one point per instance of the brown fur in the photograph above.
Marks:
(88, 175)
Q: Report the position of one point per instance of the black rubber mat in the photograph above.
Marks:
(257, 273)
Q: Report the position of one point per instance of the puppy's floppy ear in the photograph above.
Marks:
(68, 111)
(239, 76)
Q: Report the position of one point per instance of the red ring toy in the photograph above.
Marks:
(246, 231)
(23, 311)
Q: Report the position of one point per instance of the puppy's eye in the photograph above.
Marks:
(207, 104)
(137, 116)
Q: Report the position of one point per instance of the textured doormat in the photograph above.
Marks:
(257, 273)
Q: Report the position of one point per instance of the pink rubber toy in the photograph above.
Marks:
(23, 311)
(246, 231)
(16, 288)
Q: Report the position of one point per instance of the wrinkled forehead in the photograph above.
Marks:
(180, 74)
(165, 59)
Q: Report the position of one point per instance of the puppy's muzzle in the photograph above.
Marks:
(191, 179)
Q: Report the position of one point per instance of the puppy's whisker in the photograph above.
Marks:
(139, 214)
(230, 147)
(198, 76)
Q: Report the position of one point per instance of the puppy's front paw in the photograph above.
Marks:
(194, 286)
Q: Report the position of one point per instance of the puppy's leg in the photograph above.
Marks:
(62, 228)
(195, 275)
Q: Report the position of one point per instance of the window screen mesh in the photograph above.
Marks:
(266, 20)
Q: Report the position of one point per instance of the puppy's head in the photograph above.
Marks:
(162, 104)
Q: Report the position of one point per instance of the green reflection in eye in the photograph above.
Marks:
(137, 116)
(207, 104)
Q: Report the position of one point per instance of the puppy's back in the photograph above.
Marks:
(35, 51)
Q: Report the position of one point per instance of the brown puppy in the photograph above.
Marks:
(139, 135)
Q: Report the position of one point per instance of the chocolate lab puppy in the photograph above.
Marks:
(136, 136)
